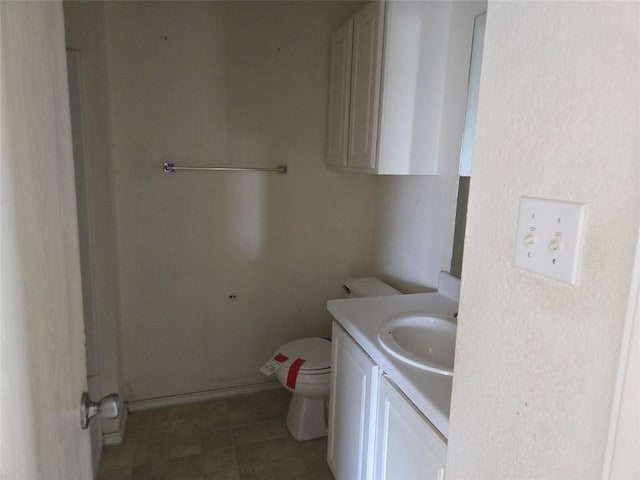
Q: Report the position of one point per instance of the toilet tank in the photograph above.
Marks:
(368, 287)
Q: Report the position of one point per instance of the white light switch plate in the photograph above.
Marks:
(549, 237)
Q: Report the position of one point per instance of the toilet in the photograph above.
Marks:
(303, 367)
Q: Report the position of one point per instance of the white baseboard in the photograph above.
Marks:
(197, 397)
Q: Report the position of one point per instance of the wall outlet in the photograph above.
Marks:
(549, 237)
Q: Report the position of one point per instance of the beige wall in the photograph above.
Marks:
(536, 359)
(85, 31)
(226, 84)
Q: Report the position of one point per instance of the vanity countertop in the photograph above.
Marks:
(362, 317)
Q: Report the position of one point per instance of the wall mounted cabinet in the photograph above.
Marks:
(354, 92)
(398, 87)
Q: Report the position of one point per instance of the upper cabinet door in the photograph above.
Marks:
(339, 93)
(365, 86)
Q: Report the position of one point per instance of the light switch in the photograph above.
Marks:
(549, 237)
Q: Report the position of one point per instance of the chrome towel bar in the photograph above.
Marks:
(170, 168)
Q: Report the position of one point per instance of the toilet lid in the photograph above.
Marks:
(315, 351)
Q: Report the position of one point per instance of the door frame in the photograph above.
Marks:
(623, 442)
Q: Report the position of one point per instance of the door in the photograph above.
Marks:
(354, 383)
(366, 67)
(86, 268)
(339, 85)
(41, 340)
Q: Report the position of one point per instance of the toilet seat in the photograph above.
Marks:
(315, 351)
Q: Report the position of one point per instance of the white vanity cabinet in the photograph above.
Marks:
(375, 432)
(354, 387)
(407, 445)
(398, 86)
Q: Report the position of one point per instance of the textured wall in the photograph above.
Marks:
(414, 224)
(535, 358)
(232, 83)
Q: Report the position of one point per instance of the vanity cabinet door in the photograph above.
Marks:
(354, 384)
(407, 445)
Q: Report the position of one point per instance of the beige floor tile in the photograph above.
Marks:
(268, 397)
(182, 445)
(241, 438)
(117, 474)
(241, 411)
(151, 434)
(235, 404)
(281, 448)
(185, 467)
(254, 453)
(216, 419)
(324, 475)
(133, 418)
(114, 458)
(249, 434)
(184, 412)
(270, 412)
(153, 418)
(151, 452)
(320, 467)
(221, 460)
(227, 475)
(185, 427)
(276, 428)
(314, 449)
(241, 418)
(216, 438)
(260, 471)
(130, 437)
(151, 471)
(215, 406)
(289, 468)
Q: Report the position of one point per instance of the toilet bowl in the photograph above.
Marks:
(306, 373)
(303, 367)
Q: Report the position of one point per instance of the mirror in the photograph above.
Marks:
(466, 152)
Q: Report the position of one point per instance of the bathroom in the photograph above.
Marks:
(216, 270)
(557, 120)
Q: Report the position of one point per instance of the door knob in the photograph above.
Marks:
(107, 407)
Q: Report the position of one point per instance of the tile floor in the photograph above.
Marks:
(228, 439)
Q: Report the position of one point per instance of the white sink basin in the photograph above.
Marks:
(424, 341)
